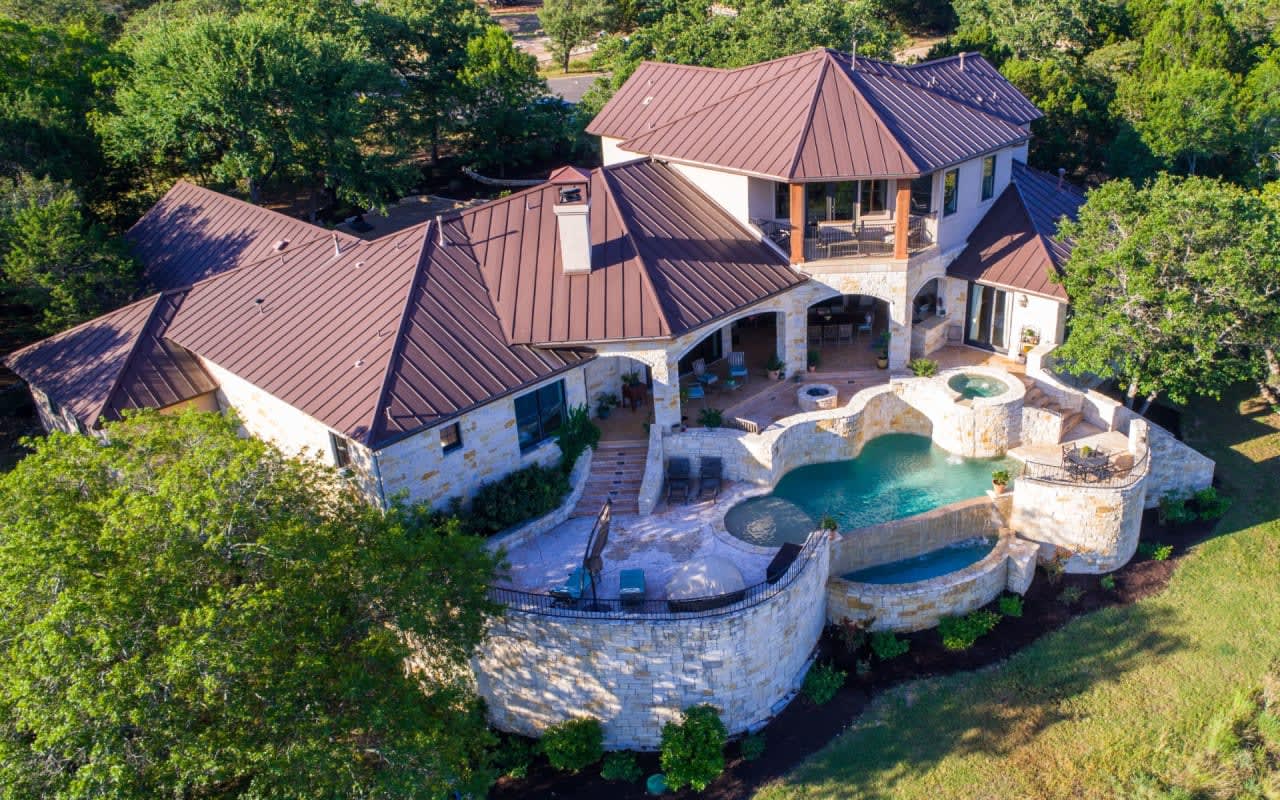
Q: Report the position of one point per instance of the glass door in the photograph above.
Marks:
(987, 318)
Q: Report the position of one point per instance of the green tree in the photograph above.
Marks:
(53, 259)
(570, 23)
(1077, 126)
(1038, 28)
(1260, 103)
(1174, 286)
(1184, 115)
(188, 613)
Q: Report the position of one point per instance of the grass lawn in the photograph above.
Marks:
(1115, 704)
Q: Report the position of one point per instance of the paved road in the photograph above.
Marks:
(572, 87)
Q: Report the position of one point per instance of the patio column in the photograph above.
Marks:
(726, 339)
(902, 219)
(795, 353)
(666, 392)
(797, 223)
(900, 341)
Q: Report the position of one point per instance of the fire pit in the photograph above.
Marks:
(817, 397)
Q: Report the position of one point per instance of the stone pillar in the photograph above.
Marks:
(795, 353)
(726, 339)
(666, 393)
(900, 341)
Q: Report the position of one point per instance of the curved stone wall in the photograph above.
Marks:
(981, 427)
(636, 674)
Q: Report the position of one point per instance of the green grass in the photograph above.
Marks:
(1112, 704)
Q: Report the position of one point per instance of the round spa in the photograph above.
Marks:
(972, 385)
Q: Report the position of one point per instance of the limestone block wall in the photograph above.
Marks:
(53, 419)
(1098, 526)
(1175, 467)
(637, 674)
(654, 474)
(979, 428)
(1040, 426)
(922, 533)
(604, 375)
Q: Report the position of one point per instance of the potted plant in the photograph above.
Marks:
(815, 358)
(999, 480)
(828, 523)
(774, 367)
(605, 401)
(882, 350)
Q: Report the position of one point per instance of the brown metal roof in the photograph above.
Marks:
(970, 80)
(665, 259)
(814, 116)
(114, 362)
(193, 233)
(1016, 245)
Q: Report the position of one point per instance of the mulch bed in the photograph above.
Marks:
(803, 728)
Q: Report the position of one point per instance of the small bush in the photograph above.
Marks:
(752, 747)
(621, 766)
(1055, 568)
(523, 495)
(573, 744)
(1011, 605)
(1108, 582)
(923, 367)
(693, 750)
(887, 646)
(711, 417)
(577, 434)
(853, 634)
(1071, 595)
(959, 633)
(1173, 510)
(815, 358)
(1209, 504)
(1155, 551)
(513, 756)
(822, 683)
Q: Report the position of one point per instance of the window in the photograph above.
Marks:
(539, 414)
(922, 195)
(988, 177)
(873, 196)
(451, 437)
(782, 201)
(950, 191)
(341, 447)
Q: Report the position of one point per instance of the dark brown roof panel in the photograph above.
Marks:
(159, 373)
(971, 80)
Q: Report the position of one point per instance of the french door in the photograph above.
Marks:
(987, 322)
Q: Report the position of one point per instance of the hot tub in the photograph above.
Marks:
(971, 385)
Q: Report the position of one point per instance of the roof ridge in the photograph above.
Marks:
(257, 208)
(647, 279)
(1048, 176)
(879, 115)
(94, 320)
(808, 117)
(734, 221)
(1041, 239)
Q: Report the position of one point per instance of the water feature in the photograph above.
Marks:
(896, 475)
(971, 385)
(928, 565)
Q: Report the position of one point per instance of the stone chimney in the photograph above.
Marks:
(573, 219)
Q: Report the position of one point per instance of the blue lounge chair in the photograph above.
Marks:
(574, 587)
(631, 586)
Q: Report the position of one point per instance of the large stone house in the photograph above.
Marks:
(433, 359)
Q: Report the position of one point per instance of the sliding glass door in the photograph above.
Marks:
(988, 318)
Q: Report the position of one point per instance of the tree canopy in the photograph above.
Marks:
(570, 23)
(187, 613)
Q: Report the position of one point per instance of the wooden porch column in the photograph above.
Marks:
(797, 223)
(902, 219)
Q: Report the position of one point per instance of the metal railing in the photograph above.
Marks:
(688, 608)
(863, 239)
(1108, 477)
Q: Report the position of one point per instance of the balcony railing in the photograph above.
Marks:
(862, 239)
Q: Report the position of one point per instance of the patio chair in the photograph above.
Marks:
(700, 372)
(696, 392)
(865, 325)
(710, 476)
(574, 587)
(815, 334)
(845, 334)
(631, 587)
(738, 365)
(678, 478)
(830, 333)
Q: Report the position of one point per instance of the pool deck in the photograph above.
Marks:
(659, 544)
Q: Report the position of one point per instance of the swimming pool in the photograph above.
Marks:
(896, 475)
(971, 385)
(928, 565)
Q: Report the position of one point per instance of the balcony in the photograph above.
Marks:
(825, 241)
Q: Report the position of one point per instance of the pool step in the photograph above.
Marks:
(617, 470)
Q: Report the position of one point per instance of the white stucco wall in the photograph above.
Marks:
(611, 153)
(970, 207)
(728, 190)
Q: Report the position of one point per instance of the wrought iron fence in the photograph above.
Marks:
(862, 240)
(1109, 476)
(618, 608)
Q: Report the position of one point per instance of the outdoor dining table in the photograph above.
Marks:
(1095, 464)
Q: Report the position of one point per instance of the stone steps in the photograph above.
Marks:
(1036, 398)
(617, 470)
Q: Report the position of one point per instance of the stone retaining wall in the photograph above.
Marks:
(913, 536)
(981, 427)
(635, 675)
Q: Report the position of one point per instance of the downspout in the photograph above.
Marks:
(377, 476)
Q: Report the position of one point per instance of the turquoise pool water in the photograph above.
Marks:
(928, 565)
(971, 385)
(896, 475)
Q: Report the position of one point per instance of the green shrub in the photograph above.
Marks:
(815, 358)
(513, 756)
(887, 646)
(774, 364)
(1173, 510)
(752, 747)
(822, 683)
(521, 496)
(959, 633)
(621, 766)
(1108, 582)
(828, 523)
(853, 633)
(923, 367)
(1070, 595)
(1011, 605)
(576, 434)
(1155, 551)
(693, 750)
(1000, 477)
(711, 418)
(573, 744)
(1209, 504)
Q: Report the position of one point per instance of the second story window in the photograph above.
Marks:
(782, 201)
(873, 195)
(922, 195)
(950, 192)
(988, 177)
(341, 447)
(451, 437)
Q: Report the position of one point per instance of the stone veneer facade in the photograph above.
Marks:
(636, 674)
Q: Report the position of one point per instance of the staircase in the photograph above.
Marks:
(1038, 399)
(617, 468)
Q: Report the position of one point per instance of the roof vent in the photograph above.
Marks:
(962, 62)
(359, 363)
(647, 100)
(280, 245)
(359, 264)
(573, 224)
(337, 247)
(258, 303)
(1062, 173)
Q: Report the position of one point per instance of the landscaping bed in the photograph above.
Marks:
(803, 728)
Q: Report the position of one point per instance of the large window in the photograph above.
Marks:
(950, 192)
(988, 177)
(539, 414)
(837, 202)
(922, 195)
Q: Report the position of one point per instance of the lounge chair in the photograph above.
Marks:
(700, 372)
(678, 478)
(574, 587)
(845, 333)
(710, 473)
(781, 562)
(738, 366)
(631, 587)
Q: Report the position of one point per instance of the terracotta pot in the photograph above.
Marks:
(813, 368)
(998, 488)
(774, 374)
(882, 363)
